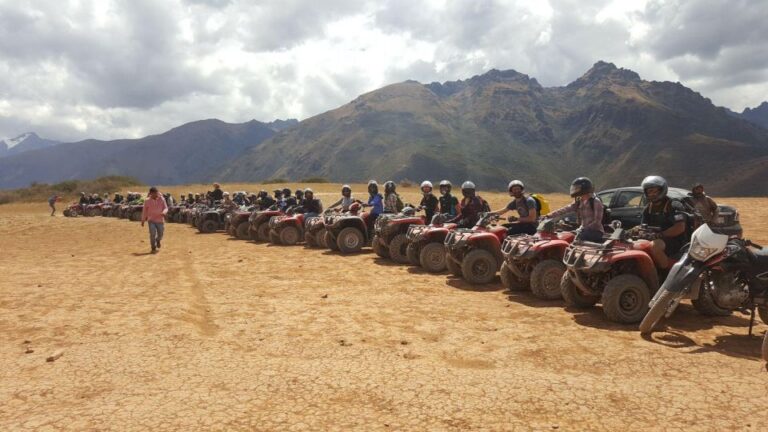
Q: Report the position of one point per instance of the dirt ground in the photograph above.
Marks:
(218, 334)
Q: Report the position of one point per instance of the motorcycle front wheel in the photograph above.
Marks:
(657, 311)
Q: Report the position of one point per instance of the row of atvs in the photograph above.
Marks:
(717, 272)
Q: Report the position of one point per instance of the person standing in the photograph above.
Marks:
(706, 206)
(154, 212)
(52, 203)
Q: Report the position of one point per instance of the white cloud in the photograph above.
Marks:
(113, 69)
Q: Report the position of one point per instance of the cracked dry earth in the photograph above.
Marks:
(219, 334)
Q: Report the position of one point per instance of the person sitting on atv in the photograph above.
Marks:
(287, 201)
(375, 202)
(217, 194)
(346, 199)
(198, 200)
(471, 207)
(448, 203)
(299, 196)
(227, 204)
(392, 201)
(588, 208)
(525, 207)
(704, 205)
(117, 199)
(665, 215)
(428, 200)
(310, 206)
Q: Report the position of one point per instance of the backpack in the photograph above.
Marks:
(400, 204)
(542, 205)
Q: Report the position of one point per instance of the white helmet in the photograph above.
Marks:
(226, 193)
(514, 183)
(468, 185)
(426, 183)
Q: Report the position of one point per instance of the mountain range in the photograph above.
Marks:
(609, 124)
(23, 143)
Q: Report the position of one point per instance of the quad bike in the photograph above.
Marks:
(211, 220)
(134, 212)
(536, 261)
(73, 210)
(93, 210)
(259, 223)
(237, 224)
(315, 232)
(287, 229)
(174, 214)
(619, 273)
(425, 243)
(390, 230)
(348, 232)
(475, 254)
(720, 274)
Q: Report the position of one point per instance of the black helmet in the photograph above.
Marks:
(278, 193)
(347, 189)
(286, 192)
(299, 194)
(373, 187)
(655, 181)
(581, 186)
(468, 189)
(389, 187)
(445, 184)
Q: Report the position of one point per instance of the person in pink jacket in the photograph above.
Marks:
(154, 212)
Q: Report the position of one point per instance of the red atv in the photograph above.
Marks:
(536, 261)
(259, 223)
(390, 231)
(315, 232)
(287, 229)
(348, 232)
(475, 253)
(73, 210)
(237, 224)
(425, 244)
(619, 273)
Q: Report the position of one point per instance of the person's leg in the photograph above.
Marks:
(519, 228)
(53, 209)
(152, 235)
(659, 255)
(590, 236)
(160, 231)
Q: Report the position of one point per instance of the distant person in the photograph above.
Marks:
(52, 203)
(217, 194)
(704, 205)
(588, 208)
(525, 206)
(154, 212)
(429, 201)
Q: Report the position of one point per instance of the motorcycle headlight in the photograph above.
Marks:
(701, 253)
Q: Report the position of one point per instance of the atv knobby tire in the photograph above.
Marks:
(412, 252)
(625, 299)
(208, 226)
(510, 280)
(397, 249)
(262, 232)
(572, 296)
(274, 237)
(243, 231)
(136, 216)
(290, 235)
(309, 240)
(453, 267)
(350, 240)
(321, 237)
(379, 248)
(331, 242)
(479, 267)
(765, 347)
(545, 279)
(432, 257)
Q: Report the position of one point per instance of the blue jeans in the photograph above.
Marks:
(155, 233)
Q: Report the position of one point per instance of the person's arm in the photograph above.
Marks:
(561, 211)
(675, 230)
(715, 209)
(165, 207)
(144, 214)
(337, 203)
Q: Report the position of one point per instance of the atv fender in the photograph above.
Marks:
(645, 266)
(554, 249)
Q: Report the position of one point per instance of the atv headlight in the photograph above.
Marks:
(701, 253)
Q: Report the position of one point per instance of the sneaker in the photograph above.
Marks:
(154, 251)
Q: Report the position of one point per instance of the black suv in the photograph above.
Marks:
(627, 204)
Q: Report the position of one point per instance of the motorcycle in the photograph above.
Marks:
(720, 273)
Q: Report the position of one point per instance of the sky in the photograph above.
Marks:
(76, 69)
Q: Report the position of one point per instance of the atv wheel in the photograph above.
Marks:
(397, 249)
(262, 232)
(290, 235)
(309, 240)
(230, 229)
(479, 267)
(510, 280)
(765, 347)
(274, 237)
(208, 226)
(432, 257)
(379, 248)
(412, 252)
(321, 238)
(136, 216)
(350, 240)
(242, 231)
(545, 279)
(572, 296)
(453, 267)
(67, 213)
(331, 242)
(625, 299)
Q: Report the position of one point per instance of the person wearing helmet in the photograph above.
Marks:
(168, 199)
(346, 199)
(588, 208)
(311, 206)
(198, 198)
(448, 203)
(227, 203)
(375, 202)
(525, 207)
(429, 201)
(392, 201)
(216, 194)
(667, 216)
(264, 201)
(471, 206)
(705, 206)
(83, 199)
(287, 200)
(299, 196)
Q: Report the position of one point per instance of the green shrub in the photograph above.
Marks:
(67, 189)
